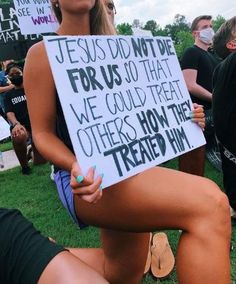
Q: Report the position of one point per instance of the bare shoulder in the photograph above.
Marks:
(36, 49)
(36, 57)
(37, 64)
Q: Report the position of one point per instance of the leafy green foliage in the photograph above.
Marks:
(184, 40)
(124, 29)
(179, 24)
(218, 22)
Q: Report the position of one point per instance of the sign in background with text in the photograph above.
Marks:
(35, 16)
(13, 44)
(125, 102)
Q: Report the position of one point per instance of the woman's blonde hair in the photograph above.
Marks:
(99, 21)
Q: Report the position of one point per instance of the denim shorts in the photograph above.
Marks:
(62, 180)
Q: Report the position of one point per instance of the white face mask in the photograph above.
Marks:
(206, 35)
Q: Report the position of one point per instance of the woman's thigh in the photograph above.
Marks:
(155, 199)
(66, 268)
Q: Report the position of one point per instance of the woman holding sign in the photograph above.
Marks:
(157, 198)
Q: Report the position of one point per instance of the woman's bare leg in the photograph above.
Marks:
(94, 257)
(160, 199)
(67, 268)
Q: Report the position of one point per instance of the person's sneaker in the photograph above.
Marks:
(29, 153)
(52, 173)
(26, 170)
(232, 213)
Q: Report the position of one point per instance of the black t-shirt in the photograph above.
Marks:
(204, 62)
(224, 102)
(15, 101)
(24, 252)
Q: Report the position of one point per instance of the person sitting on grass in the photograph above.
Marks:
(18, 118)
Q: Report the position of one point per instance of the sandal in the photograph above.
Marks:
(162, 260)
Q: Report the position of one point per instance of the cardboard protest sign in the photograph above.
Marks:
(4, 129)
(13, 45)
(125, 102)
(35, 16)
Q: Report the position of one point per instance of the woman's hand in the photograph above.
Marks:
(197, 115)
(86, 187)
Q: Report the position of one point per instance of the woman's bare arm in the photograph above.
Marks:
(41, 100)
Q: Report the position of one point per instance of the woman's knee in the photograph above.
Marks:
(222, 211)
(216, 213)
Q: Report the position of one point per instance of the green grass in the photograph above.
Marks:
(5, 145)
(36, 197)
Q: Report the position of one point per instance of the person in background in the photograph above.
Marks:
(18, 117)
(198, 66)
(5, 86)
(224, 105)
(158, 198)
(28, 257)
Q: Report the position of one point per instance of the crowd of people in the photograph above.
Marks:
(157, 199)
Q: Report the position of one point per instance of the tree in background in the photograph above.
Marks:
(156, 30)
(136, 24)
(179, 30)
(179, 24)
(185, 40)
(218, 22)
(124, 29)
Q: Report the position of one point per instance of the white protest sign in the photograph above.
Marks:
(4, 129)
(125, 102)
(35, 16)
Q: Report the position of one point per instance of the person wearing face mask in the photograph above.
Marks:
(198, 65)
(18, 118)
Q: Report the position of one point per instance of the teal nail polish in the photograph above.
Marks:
(94, 167)
(190, 114)
(79, 179)
(101, 187)
(101, 175)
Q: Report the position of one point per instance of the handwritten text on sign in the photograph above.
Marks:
(124, 100)
(35, 16)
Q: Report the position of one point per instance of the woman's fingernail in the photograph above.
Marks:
(94, 167)
(100, 187)
(101, 175)
(190, 114)
(79, 179)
